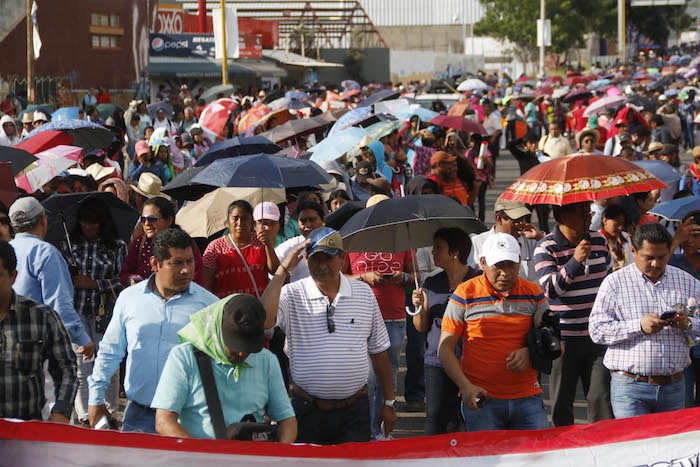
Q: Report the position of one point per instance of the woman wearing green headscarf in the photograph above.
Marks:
(247, 376)
(162, 152)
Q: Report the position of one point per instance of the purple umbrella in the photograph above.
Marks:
(607, 102)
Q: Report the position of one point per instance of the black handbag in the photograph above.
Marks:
(247, 429)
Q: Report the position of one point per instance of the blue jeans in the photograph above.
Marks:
(139, 418)
(527, 413)
(630, 397)
(442, 401)
(397, 331)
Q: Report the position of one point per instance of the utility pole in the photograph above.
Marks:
(30, 51)
(542, 37)
(224, 60)
(621, 33)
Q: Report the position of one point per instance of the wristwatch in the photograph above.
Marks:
(390, 403)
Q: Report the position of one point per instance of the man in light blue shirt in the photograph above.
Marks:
(145, 322)
(42, 273)
(230, 334)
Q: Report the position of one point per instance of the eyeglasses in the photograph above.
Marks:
(149, 218)
(330, 311)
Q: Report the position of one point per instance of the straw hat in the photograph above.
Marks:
(99, 172)
(150, 186)
(585, 132)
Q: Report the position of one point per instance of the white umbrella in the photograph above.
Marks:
(472, 84)
(602, 104)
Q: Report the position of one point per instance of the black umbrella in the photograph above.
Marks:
(338, 218)
(19, 159)
(87, 135)
(182, 189)
(641, 101)
(299, 127)
(402, 224)
(238, 146)
(262, 171)
(383, 95)
(62, 214)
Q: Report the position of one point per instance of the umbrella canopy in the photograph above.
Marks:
(472, 84)
(65, 207)
(543, 90)
(578, 178)
(211, 94)
(338, 144)
(209, 215)
(424, 115)
(677, 209)
(661, 170)
(603, 104)
(8, 188)
(107, 110)
(351, 118)
(238, 146)
(215, 115)
(280, 115)
(297, 95)
(349, 84)
(19, 159)
(299, 127)
(89, 136)
(458, 123)
(574, 80)
(262, 171)
(402, 224)
(154, 108)
(338, 218)
(381, 129)
(460, 108)
(50, 163)
(577, 94)
(252, 117)
(383, 95)
(43, 141)
(181, 188)
(65, 113)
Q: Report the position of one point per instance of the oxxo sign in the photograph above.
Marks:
(170, 21)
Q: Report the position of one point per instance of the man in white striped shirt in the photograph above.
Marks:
(332, 323)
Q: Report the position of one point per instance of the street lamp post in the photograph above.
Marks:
(542, 36)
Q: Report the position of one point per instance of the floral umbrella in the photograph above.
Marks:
(580, 177)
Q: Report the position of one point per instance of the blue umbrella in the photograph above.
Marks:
(677, 209)
(672, 92)
(85, 134)
(297, 95)
(350, 118)
(661, 170)
(295, 104)
(350, 84)
(383, 95)
(262, 171)
(154, 108)
(238, 146)
(65, 113)
(335, 146)
(424, 115)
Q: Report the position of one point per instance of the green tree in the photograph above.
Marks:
(514, 21)
(657, 23)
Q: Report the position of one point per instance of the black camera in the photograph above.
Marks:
(544, 343)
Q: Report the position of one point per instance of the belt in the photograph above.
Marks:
(330, 405)
(655, 380)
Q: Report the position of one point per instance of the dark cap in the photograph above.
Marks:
(243, 326)
(326, 240)
(364, 172)
(625, 137)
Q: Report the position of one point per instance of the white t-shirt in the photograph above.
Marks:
(493, 123)
(302, 270)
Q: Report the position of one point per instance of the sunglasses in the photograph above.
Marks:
(149, 218)
(330, 311)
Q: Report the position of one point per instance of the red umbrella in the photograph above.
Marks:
(215, 115)
(459, 108)
(554, 79)
(524, 79)
(544, 90)
(45, 140)
(574, 80)
(458, 123)
(253, 116)
(580, 177)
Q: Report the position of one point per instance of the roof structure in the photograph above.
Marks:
(333, 23)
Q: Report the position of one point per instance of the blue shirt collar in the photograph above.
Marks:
(151, 287)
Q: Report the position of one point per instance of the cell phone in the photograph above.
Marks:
(668, 315)
(481, 401)
(387, 276)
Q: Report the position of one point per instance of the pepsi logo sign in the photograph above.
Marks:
(158, 44)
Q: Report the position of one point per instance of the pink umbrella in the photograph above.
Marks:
(50, 163)
(215, 115)
(607, 102)
(58, 152)
(612, 91)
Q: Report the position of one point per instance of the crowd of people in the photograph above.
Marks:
(271, 330)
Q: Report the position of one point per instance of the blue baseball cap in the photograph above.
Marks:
(326, 240)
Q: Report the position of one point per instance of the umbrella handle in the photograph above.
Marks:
(414, 313)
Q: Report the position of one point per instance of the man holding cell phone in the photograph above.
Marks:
(640, 314)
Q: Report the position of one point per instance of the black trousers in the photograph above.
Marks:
(583, 360)
(317, 426)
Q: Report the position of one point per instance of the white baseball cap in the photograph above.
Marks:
(266, 210)
(501, 247)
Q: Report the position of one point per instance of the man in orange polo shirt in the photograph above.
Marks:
(444, 172)
(493, 314)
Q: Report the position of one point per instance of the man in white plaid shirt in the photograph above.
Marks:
(640, 314)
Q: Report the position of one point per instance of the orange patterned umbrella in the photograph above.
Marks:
(580, 177)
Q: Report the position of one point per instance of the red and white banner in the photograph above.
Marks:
(668, 439)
